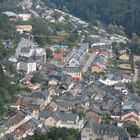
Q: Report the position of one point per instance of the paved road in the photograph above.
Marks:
(136, 71)
(88, 63)
(71, 53)
(136, 74)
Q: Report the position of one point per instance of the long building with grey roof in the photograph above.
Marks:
(93, 131)
(79, 54)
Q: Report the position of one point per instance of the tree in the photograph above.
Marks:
(114, 44)
(40, 30)
(106, 119)
(37, 77)
(49, 53)
(99, 139)
(1, 70)
(56, 15)
(133, 130)
(138, 63)
(81, 115)
(117, 12)
(55, 134)
(135, 44)
(111, 28)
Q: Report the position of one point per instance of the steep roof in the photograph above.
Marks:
(66, 116)
(71, 69)
(107, 129)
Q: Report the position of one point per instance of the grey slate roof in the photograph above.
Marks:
(45, 114)
(66, 116)
(81, 52)
(120, 85)
(9, 137)
(128, 105)
(107, 129)
(71, 69)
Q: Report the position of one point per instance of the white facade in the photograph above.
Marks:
(61, 19)
(37, 54)
(31, 67)
(73, 62)
(41, 54)
(26, 67)
(24, 17)
(28, 53)
(111, 82)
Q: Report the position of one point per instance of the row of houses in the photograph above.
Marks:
(73, 65)
(76, 58)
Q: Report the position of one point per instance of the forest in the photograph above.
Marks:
(117, 12)
(55, 134)
(7, 31)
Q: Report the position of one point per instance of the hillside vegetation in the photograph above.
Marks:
(119, 12)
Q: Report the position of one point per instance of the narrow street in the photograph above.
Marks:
(88, 63)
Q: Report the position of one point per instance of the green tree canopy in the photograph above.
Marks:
(37, 77)
(55, 134)
(133, 130)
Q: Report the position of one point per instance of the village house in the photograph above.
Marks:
(131, 112)
(20, 117)
(124, 57)
(99, 63)
(97, 67)
(126, 67)
(31, 86)
(75, 60)
(119, 86)
(74, 72)
(94, 38)
(34, 102)
(35, 53)
(61, 119)
(24, 17)
(26, 65)
(23, 28)
(27, 35)
(11, 15)
(52, 82)
(27, 128)
(92, 131)
(58, 51)
(8, 44)
(113, 78)
(53, 107)
(58, 54)
(26, 4)
(66, 84)
(93, 116)
(22, 131)
(9, 137)
(29, 57)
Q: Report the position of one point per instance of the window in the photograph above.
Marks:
(84, 136)
(91, 135)
(87, 130)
